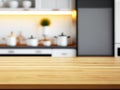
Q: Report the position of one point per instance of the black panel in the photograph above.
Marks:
(118, 51)
(44, 55)
(94, 3)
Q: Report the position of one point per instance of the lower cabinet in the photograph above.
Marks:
(64, 53)
(44, 52)
(117, 50)
(25, 51)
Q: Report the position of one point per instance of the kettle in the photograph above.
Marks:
(62, 40)
(32, 41)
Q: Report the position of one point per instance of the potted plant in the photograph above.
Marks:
(45, 23)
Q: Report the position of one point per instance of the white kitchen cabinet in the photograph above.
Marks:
(46, 4)
(52, 52)
(25, 51)
(55, 4)
(64, 53)
(117, 21)
(117, 27)
(41, 5)
(20, 7)
(65, 4)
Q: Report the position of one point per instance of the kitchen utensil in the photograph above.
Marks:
(11, 40)
(20, 38)
(32, 41)
(47, 42)
(62, 40)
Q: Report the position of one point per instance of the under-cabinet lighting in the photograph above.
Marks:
(35, 12)
(74, 15)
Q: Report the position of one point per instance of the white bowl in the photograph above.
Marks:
(47, 43)
(13, 4)
(27, 4)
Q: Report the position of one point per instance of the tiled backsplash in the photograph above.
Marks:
(29, 25)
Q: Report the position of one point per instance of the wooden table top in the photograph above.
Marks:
(48, 72)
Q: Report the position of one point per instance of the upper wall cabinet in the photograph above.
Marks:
(55, 4)
(36, 5)
(11, 5)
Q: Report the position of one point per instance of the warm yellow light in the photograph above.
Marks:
(35, 12)
(74, 15)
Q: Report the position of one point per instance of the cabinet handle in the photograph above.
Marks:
(11, 51)
(55, 9)
(64, 53)
(38, 51)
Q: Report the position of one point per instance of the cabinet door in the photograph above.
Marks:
(47, 4)
(95, 29)
(55, 4)
(64, 53)
(64, 4)
(25, 51)
(117, 21)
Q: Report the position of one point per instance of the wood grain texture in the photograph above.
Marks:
(48, 72)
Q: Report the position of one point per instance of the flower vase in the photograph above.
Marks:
(45, 31)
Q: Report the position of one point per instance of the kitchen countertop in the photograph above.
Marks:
(4, 46)
(48, 72)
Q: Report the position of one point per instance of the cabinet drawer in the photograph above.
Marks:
(25, 51)
(64, 52)
(117, 50)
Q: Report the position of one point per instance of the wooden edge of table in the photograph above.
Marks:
(60, 86)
